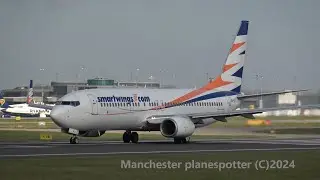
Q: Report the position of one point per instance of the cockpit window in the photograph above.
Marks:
(69, 103)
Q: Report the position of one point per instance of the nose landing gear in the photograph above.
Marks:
(130, 136)
(74, 140)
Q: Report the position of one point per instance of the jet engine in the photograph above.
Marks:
(176, 127)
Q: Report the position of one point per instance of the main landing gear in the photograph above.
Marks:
(130, 136)
(181, 140)
(74, 140)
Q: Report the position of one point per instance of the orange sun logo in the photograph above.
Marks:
(2, 101)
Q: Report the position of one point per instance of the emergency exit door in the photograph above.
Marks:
(94, 104)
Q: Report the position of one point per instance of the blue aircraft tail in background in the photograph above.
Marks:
(3, 103)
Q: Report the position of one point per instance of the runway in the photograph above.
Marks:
(40, 149)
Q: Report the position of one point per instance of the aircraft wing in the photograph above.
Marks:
(248, 112)
(245, 96)
(220, 116)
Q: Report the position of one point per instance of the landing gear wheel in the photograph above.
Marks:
(180, 140)
(74, 140)
(134, 137)
(126, 137)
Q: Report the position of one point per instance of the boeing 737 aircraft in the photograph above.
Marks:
(174, 112)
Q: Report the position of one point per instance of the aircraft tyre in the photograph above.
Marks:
(180, 140)
(126, 137)
(134, 137)
(74, 140)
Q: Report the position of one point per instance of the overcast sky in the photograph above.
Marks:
(112, 38)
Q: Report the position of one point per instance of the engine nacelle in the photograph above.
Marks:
(177, 127)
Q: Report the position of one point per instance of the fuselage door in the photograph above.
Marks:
(94, 104)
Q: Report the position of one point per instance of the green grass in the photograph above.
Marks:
(294, 131)
(306, 166)
(15, 136)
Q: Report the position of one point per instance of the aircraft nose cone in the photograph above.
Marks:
(57, 116)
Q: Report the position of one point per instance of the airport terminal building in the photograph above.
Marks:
(50, 93)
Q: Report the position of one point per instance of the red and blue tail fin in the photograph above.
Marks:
(233, 68)
(30, 92)
(229, 81)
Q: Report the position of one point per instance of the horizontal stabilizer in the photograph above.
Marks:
(245, 96)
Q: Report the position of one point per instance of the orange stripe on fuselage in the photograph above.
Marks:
(228, 66)
(218, 82)
(236, 46)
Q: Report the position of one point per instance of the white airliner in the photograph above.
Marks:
(24, 109)
(174, 112)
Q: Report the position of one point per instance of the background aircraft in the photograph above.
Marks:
(24, 109)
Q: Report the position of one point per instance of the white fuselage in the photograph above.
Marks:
(121, 109)
(26, 110)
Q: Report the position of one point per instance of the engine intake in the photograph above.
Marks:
(177, 127)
